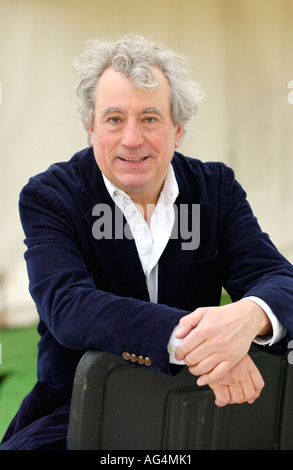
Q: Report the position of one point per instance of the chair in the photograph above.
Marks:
(119, 406)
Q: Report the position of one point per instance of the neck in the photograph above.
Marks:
(146, 203)
(146, 206)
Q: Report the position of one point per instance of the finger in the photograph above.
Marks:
(189, 321)
(197, 345)
(222, 394)
(257, 379)
(216, 374)
(204, 367)
(253, 384)
(189, 345)
(183, 331)
(236, 393)
(249, 392)
(202, 353)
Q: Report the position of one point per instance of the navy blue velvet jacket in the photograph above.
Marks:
(92, 293)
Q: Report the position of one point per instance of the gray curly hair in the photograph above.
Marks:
(134, 56)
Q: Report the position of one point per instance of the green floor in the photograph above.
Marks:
(17, 370)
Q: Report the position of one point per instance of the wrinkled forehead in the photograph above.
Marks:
(114, 87)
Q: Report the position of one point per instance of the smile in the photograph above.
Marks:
(133, 160)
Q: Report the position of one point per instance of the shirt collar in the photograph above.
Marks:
(168, 194)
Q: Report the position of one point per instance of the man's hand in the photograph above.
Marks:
(243, 383)
(215, 339)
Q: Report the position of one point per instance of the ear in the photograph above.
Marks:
(178, 135)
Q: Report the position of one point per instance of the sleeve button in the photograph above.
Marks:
(147, 361)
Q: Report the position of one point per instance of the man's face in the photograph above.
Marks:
(133, 135)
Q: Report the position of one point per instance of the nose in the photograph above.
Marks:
(132, 135)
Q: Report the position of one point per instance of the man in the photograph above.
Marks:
(129, 244)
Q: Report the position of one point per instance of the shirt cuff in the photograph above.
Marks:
(172, 347)
(279, 331)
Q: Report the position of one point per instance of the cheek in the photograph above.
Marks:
(165, 144)
(160, 141)
(104, 143)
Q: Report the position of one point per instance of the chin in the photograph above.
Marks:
(134, 183)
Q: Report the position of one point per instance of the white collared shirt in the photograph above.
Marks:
(151, 238)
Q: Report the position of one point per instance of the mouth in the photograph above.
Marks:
(133, 160)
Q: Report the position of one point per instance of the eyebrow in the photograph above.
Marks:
(152, 111)
(113, 110)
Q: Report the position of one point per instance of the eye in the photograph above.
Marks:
(150, 120)
(114, 120)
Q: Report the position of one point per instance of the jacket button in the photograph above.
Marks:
(147, 361)
(133, 357)
(126, 356)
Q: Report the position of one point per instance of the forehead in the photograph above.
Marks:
(116, 90)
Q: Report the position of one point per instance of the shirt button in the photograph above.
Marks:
(171, 349)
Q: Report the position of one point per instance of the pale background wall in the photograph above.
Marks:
(241, 51)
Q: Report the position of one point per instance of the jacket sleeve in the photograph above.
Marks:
(78, 314)
(252, 264)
